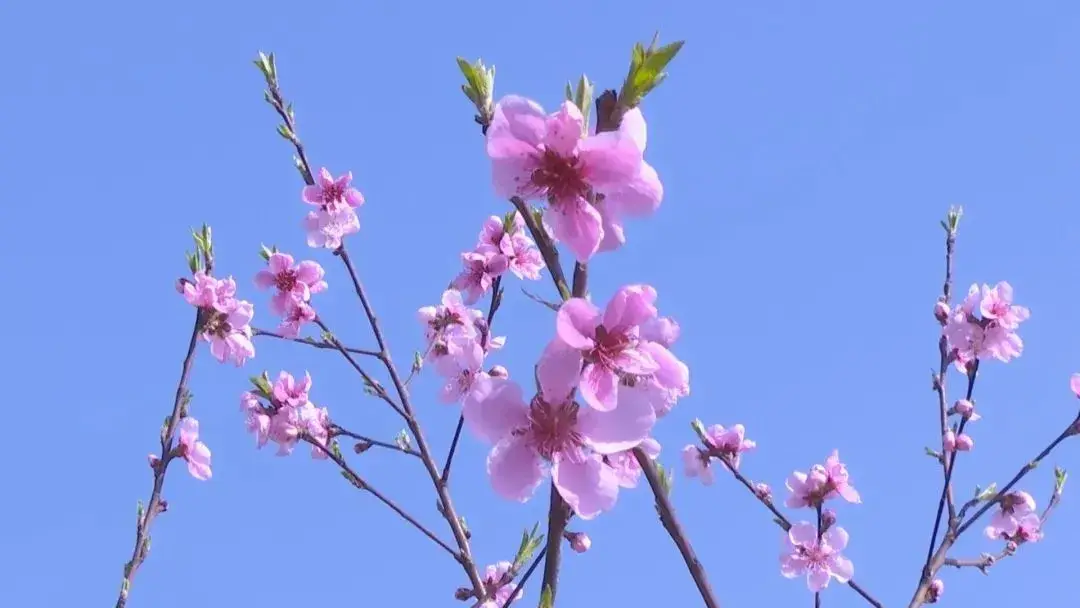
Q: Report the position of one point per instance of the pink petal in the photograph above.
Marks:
(633, 127)
(635, 361)
(264, 279)
(189, 431)
(599, 387)
(842, 568)
(817, 579)
(670, 372)
(803, 534)
(494, 408)
(558, 371)
(515, 469)
(309, 272)
(622, 428)
(518, 118)
(312, 195)
(588, 486)
(564, 130)
(612, 225)
(576, 323)
(609, 160)
(629, 307)
(1074, 384)
(790, 567)
(279, 262)
(578, 224)
(638, 197)
(199, 462)
(837, 538)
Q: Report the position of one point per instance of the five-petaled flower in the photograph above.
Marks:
(226, 321)
(819, 559)
(294, 282)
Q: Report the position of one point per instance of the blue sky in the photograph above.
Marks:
(808, 153)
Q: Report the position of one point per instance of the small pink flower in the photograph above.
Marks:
(579, 541)
(327, 228)
(696, 463)
(332, 193)
(481, 268)
(729, 444)
(838, 479)
(450, 318)
(511, 239)
(296, 316)
(822, 483)
(996, 305)
(819, 560)
(539, 156)
(194, 451)
(951, 442)
(289, 392)
(1005, 523)
(256, 418)
(294, 283)
(225, 320)
(499, 585)
(461, 366)
(993, 334)
(763, 491)
(559, 434)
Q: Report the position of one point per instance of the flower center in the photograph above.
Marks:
(609, 345)
(814, 556)
(562, 178)
(553, 427)
(217, 324)
(285, 280)
(332, 193)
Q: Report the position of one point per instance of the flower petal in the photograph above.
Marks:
(558, 371)
(631, 306)
(515, 469)
(599, 387)
(579, 225)
(576, 323)
(622, 428)
(564, 130)
(588, 485)
(494, 408)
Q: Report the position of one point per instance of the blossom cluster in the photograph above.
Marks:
(503, 245)
(285, 415)
(1016, 521)
(984, 325)
(626, 379)
(294, 285)
(335, 217)
(458, 341)
(225, 321)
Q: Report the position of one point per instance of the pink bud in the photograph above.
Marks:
(153, 460)
(828, 518)
(579, 541)
(763, 491)
(499, 371)
(934, 592)
(162, 506)
(941, 312)
(964, 407)
(948, 442)
(180, 284)
(964, 442)
(462, 594)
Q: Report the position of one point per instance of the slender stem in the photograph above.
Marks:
(155, 505)
(521, 582)
(337, 431)
(375, 386)
(493, 307)
(445, 503)
(546, 247)
(360, 484)
(558, 516)
(311, 342)
(671, 524)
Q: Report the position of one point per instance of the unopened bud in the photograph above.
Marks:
(579, 541)
(951, 442)
(941, 312)
(499, 371)
(153, 460)
(1010, 548)
(463, 594)
(933, 594)
(763, 491)
(362, 446)
(162, 506)
(828, 519)
(964, 407)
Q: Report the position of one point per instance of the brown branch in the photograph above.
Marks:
(337, 431)
(372, 383)
(322, 344)
(156, 505)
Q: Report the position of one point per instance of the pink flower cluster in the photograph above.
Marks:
(457, 343)
(625, 378)
(503, 245)
(1016, 521)
(294, 284)
(499, 585)
(725, 445)
(590, 182)
(335, 217)
(286, 415)
(983, 325)
(816, 551)
(226, 321)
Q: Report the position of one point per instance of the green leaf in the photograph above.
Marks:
(547, 600)
(986, 494)
(1060, 476)
(140, 510)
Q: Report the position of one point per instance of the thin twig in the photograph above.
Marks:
(521, 582)
(155, 505)
(360, 484)
(372, 383)
(337, 431)
(312, 342)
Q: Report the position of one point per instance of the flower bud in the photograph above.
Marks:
(579, 541)
(153, 460)
(499, 371)
(763, 491)
(362, 446)
(463, 594)
(941, 312)
(964, 442)
(964, 407)
(933, 594)
(828, 518)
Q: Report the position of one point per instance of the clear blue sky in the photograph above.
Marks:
(807, 152)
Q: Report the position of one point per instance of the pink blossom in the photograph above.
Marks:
(638, 197)
(819, 560)
(461, 366)
(997, 305)
(559, 434)
(511, 239)
(538, 156)
(294, 283)
(296, 316)
(993, 334)
(194, 451)
(696, 463)
(226, 321)
(499, 585)
(597, 351)
(326, 228)
(579, 541)
(1028, 529)
(450, 318)
(838, 480)
(729, 444)
(951, 442)
(332, 193)
(203, 293)
(289, 416)
(625, 465)
(822, 483)
(290, 393)
(1005, 522)
(481, 268)
(1074, 384)
(763, 491)
(256, 419)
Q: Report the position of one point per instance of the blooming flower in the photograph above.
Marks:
(481, 268)
(599, 349)
(638, 197)
(499, 585)
(461, 367)
(555, 433)
(971, 337)
(226, 321)
(821, 483)
(819, 560)
(294, 282)
(331, 193)
(296, 316)
(194, 451)
(510, 238)
(1005, 523)
(326, 228)
(696, 463)
(729, 444)
(535, 156)
(289, 415)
